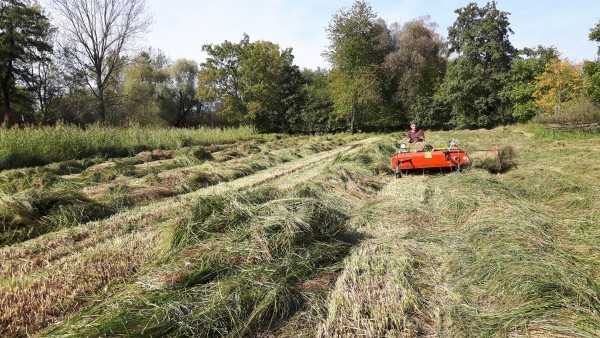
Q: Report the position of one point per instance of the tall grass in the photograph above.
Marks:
(39, 146)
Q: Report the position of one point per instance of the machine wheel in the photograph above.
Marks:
(398, 173)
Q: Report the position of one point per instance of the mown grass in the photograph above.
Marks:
(55, 274)
(25, 214)
(480, 254)
(44, 145)
(241, 264)
(234, 266)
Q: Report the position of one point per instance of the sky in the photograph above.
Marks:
(181, 27)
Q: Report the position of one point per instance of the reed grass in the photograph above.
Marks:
(39, 146)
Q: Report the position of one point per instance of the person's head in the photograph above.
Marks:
(413, 126)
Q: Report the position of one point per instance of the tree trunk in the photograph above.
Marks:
(7, 120)
(352, 118)
(101, 98)
(101, 105)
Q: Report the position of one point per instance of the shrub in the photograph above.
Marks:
(578, 112)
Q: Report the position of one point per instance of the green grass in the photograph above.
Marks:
(40, 146)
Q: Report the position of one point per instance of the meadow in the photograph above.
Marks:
(236, 234)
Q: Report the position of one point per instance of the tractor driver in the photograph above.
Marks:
(416, 137)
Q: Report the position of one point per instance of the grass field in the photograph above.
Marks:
(280, 236)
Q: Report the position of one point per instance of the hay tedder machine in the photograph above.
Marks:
(451, 158)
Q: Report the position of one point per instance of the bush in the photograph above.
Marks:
(578, 112)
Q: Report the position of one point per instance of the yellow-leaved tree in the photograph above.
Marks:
(560, 83)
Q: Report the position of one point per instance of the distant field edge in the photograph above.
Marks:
(26, 147)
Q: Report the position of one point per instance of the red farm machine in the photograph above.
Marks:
(452, 158)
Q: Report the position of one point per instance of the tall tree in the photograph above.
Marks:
(180, 99)
(416, 67)
(472, 86)
(24, 32)
(560, 83)
(356, 52)
(219, 81)
(96, 36)
(526, 67)
(253, 82)
(143, 82)
(591, 69)
(595, 35)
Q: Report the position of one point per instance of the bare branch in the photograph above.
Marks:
(96, 35)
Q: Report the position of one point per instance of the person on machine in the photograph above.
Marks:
(416, 137)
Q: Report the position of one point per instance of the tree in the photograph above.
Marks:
(356, 52)
(416, 67)
(219, 80)
(472, 86)
(595, 35)
(526, 67)
(144, 80)
(96, 36)
(24, 32)
(179, 100)
(317, 111)
(560, 83)
(591, 69)
(254, 82)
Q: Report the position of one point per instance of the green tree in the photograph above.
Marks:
(526, 67)
(24, 32)
(254, 82)
(474, 81)
(356, 52)
(591, 69)
(595, 35)
(415, 68)
(179, 100)
(143, 80)
(317, 112)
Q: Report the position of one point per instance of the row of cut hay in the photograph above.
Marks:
(39, 146)
(30, 214)
(246, 254)
(101, 169)
(472, 254)
(237, 264)
(19, 259)
(56, 253)
(40, 210)
(379, 292)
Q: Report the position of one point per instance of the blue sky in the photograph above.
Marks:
(181, 27)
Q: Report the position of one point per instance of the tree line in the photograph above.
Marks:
(81, 68)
